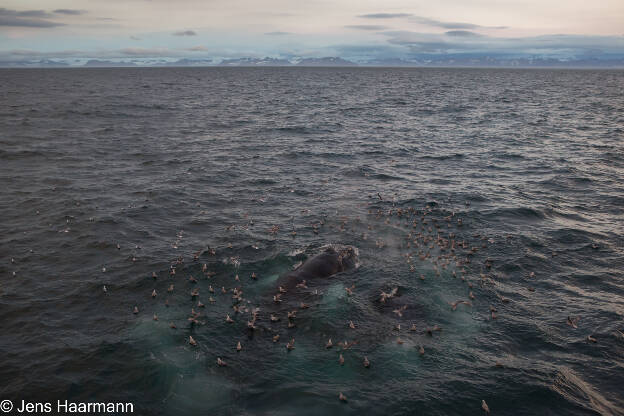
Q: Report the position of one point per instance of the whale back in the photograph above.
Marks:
(324, 265)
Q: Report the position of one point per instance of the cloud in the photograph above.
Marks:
(24, 13)
(147, 52)
(367, 27)
(278, 33)
(20, 22)
(184, 33)
(70, 12)
(57, 54)
(385, 15)
(469, 42)
(450, 25)
(423, 42)
(428, 22)
(135, 37)
(462, 33)
(199, 48)
(26, 18)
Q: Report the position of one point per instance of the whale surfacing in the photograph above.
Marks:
(332, 260)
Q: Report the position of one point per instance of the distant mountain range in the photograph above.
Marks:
(423, 61)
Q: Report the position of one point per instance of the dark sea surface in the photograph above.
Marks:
(524, 166)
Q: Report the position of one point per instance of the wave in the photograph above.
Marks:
(575, 390)
(24, 154)
(444, 157)
(525, 213)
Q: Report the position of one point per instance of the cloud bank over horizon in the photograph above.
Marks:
(71, 33)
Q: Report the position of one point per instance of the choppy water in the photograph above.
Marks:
(171, 162)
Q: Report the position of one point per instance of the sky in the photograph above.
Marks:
(359, 30)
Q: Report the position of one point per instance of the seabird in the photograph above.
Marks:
(485, 407)
(573, 321)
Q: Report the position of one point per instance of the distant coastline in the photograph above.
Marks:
(429, 62)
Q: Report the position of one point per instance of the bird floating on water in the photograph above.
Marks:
(485, 407)
(573, 322)
(349, 290)
(400, 310)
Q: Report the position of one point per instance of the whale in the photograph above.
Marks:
(332, 260)
(305, 283)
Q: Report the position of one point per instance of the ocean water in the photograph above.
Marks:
(110, 175)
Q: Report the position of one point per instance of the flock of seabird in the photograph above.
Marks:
(426, 239)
